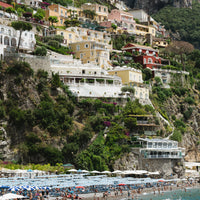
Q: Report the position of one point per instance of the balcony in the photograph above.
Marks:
(164, 156)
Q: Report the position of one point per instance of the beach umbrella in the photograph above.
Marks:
(121, 184)
(117, 172)
(161, 181)
(106, 172)
(11, 196)
(29, 170)
(72, 170)
(80, 187)
(95, 172)
(85, 171)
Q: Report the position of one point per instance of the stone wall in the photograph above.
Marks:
(36, 62)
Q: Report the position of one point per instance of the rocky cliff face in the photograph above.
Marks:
(153, 6)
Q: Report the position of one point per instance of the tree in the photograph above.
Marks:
(53, 19)
(114, 26)
(180, 48)
(21, 26)
(147, 74)
(10, 10)
(40, 51)
(89, 14)
(38, 16)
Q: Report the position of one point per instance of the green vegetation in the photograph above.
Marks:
(53, 43)
(185, 21)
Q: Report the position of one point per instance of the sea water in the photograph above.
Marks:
(189, 194)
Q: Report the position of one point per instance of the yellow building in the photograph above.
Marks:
(69, 36)
(129, 76)
(61, 12)
(132, 77)
(143, 30)
(100, 10)
(160, 43)
(92, 52)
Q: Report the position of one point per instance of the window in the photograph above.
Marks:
(104, 9)
(65, 13)
(70, 36)
(81, 55)
(61, 33)
(145, 61)
(9, 32)
(86, 45)
(88, 61)
(61, 12)
(77, 47)
(25, 34)
(92, 53)
(55, 9)
(150, 60)
(2, 30)
(83, 71)
(61, 21)
(99, 9)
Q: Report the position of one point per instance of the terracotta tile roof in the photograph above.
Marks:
(5, 5)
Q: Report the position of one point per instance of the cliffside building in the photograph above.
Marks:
(101, 12)
(92, 52)
(86, 80)
(161, 149)
(132, 77)
(9, 38)
(122, 19)
(145, 55)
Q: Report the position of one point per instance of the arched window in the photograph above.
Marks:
(13, 42)
(6, 41)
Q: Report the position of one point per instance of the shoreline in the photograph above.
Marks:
(133, 195)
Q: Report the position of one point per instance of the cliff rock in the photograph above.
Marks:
(155, 5)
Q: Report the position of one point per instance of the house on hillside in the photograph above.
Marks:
(145, 55)
(31, 3)
(132, 77)
(122, 19)
(86, 80)
(92, 52)
(9, 38)
(5, 5)
(100, 11)
(61, 12)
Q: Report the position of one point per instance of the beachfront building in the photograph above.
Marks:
(160, 149)
(9, 38)
(145, 55)
(100, 11)
(92, 52)
(122, 19)
(86, 80)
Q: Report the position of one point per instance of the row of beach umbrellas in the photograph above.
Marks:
(116, 172)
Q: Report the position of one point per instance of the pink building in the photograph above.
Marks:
(122, 19)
